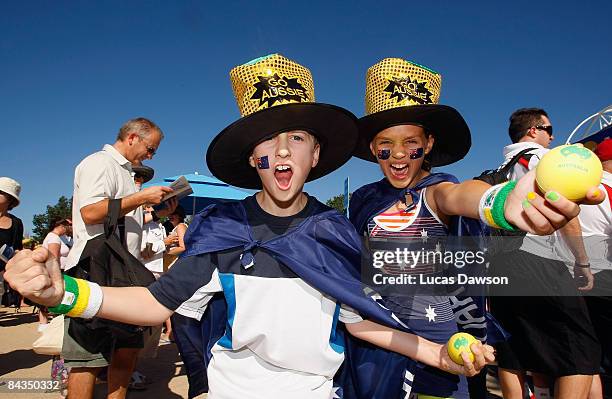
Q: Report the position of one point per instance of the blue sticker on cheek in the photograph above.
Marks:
(416, 153)
(384, 154)
(262, 163)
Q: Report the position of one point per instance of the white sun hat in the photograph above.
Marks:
(11, 187)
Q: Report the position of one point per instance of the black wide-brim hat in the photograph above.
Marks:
(400, 92)
(452, 139)
(276, 95)
(145, 171)
(334, 127)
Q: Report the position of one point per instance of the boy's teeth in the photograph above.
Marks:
(283, 167)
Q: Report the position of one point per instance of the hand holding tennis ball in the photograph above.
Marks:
(460, 342)
(570, 170)
(475, 355)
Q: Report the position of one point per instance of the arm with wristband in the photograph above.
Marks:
(511, 205)
(134, 305)
(572, 235)
(38, 277)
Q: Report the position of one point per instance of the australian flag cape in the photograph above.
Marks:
(323, 250)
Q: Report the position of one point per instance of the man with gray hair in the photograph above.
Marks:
(104, 175)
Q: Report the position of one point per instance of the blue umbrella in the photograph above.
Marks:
(206, 190)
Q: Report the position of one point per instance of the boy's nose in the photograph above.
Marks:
(283, 147)
(398, 153)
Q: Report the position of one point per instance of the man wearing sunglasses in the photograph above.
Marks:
(529, 128)
(541, 327)
(99, 177)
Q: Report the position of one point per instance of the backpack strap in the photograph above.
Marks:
(516, 159)
(524, 160)
(112, 216)
(113, 221)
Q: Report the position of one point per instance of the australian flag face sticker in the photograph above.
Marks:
(262, 162)
(276, 89)
(402, 89)
(416, 153)
(384, 154)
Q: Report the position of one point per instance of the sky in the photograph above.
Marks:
(72, 72)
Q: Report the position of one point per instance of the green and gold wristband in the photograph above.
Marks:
(71, 292)
(491, 207)
(498, 206)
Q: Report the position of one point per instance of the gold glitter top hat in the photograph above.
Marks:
(394, 82)
(270, 81)
(400, 92)
(276, 95)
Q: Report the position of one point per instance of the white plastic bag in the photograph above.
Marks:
(51, 340)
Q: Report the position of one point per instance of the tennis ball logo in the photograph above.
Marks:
(460, 342)
(569, 170)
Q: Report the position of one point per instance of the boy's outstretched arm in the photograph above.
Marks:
(37, 276)
(420, 349)
(526, 207)
(132, 305)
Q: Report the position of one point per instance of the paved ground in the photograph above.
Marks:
(17, 360)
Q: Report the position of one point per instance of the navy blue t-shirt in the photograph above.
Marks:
(189, 274)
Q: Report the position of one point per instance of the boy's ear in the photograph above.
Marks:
(315, 154)
(372, 148)
(430, 142)
(252, 161)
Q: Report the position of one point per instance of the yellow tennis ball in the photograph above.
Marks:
(569, 170)
(460, 342)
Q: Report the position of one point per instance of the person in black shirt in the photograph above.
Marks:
(11, 227)
(11, 232)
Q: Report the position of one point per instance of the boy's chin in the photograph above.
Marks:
(399, 182)
(284, 193)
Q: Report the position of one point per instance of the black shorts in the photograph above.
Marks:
(600, 310)
(551, 334)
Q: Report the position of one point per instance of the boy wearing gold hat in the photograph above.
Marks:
(406, 132)
(284, 262)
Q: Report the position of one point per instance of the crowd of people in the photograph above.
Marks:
(268, 291)
(158, 248)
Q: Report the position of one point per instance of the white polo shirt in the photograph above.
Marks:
(102, 175)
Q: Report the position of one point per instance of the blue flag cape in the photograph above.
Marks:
(323, 250)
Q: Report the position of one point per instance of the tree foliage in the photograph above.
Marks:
(337, 202)
(42, 222)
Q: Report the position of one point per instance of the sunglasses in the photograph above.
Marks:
(547, 129)
(150, 149)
